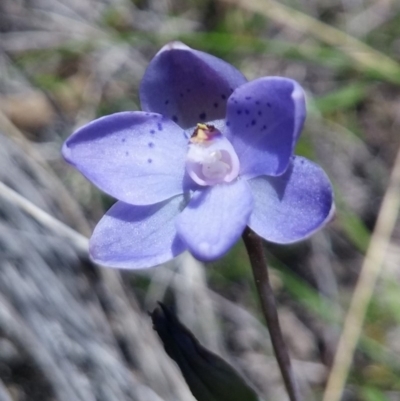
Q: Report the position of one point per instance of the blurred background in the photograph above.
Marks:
(73, 331)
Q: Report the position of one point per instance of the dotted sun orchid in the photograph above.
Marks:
(210, 154)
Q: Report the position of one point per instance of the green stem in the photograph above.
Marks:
(258, 263)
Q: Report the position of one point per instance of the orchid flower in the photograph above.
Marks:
(210, 154)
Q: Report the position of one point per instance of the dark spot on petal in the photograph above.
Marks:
(248, 97)
(152, 132)
(123, 139)
(159, 126)
(269, 104)
(302, 161)
(257, 103)
(147, 114)
(253, 122)
(151, 145)
(223, 97)
(202, 116)
(247, 112)
(175, 119)
(188, 90)
(167, 101)
(181, 94)
(216, 105)
(259, 113)
(264, 127)
(149, 161)
(126, 153)
(239, 111)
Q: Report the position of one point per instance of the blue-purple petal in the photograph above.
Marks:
(293, 206)
(265, 118)
(136, 157)
(215, 219)
(137, 237)
(188, 86)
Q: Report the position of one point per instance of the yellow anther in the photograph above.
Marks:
(202, 133)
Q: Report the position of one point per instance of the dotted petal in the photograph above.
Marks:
(188, 86)
(265, 118)
(136, 157)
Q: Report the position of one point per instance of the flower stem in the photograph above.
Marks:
(258, 263)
